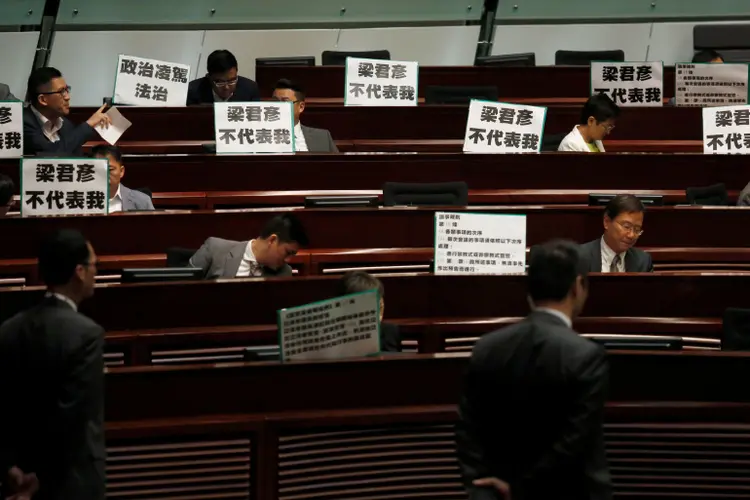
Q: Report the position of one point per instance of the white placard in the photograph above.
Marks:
(500, 127)
(11, 129)
(378, 82)
(726, 130)
(629, 83)
(115, 130)
(64, 186)
(468, 243)
(343, 327)
(708, 84)
(254, 127)
(148, 82)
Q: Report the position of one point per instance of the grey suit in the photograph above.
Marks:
(134, 200)
(220, 258)
(636, 261)
(6, 94)
(744, 199)
(318, 140)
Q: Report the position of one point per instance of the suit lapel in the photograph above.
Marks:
(596, 256)
(630, 263)
(309, 137)
(233, 260)
(127, 202)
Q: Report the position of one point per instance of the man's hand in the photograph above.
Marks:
(497, 484)
(22, 486)
(100, 119)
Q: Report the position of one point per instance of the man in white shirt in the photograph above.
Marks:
(614, 252)
(121, 198)
(598, 118)
(314, 140)
(267, 255)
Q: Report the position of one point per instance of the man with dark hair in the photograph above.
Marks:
(222, 83)
(614, 252)
(314, 140)
(6, 194)
(121, 198)
(531, 414)
(708, 56)
(267, 255)
(45, 126)
(597, 121)
(51, 357)
(360, 281)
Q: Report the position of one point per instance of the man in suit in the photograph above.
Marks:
(122, 199)
(7, 188)
(598, 118)
(265, 256)
(360, 281)
(614, 252)
(314, 140)
(45, 126)
(531, 414)
(222, 83)
(6, 94)
(52, 360)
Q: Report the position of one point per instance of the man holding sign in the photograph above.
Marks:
(45, 126)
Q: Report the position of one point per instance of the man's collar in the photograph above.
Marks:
(554, 312)
(63, 298)
(608, 252)
(118, 194)
(43, 119)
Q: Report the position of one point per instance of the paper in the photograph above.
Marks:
(118, 126)
(707, 84)
(375, 82)
(11, 129)
(498, 127)
(726, 130)
(629, 83)
(148, 82)
(254, 127)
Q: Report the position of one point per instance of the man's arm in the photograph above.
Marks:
(469, 439)
(202, 258)
(35, 141)
(585, 416)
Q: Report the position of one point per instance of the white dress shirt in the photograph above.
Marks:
(299, 138)
(115, 203)
(65, 299)
(608, 255)
(249, 266)
(51, 129)
(556, 313)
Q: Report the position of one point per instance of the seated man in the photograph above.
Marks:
(360, 281)
(121, 198)
(597, 121)
(614, 252)
(6, 194)
(708, 56)
(222, 84)
(314, 140)
(45, 126)
(267, 255)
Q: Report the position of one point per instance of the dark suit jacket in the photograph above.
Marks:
(53, 417)
(531, 413)
(636, 261)
(72, 137)
(390, 337)
(318, 140)
(200, 91)
(220, 258)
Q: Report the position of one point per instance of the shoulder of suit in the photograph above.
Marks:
(247, 81)
(314, 130)
(213, 241)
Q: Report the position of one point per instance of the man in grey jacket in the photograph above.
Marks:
(121, 198)
(314, 140)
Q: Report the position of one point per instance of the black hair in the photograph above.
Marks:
(601, 107)
(38, 78)
(103, 150)
(360, 281)
(623, 203)
(705, 56)
(299, 91)
(6, 190)
(60, 253)
(288, 229)
(220, 61)
(553, 270)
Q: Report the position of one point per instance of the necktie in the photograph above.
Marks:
(614, 264)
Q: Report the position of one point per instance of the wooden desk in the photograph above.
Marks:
(136, 233)
(199, 304)
(541, 82)
(426, 122)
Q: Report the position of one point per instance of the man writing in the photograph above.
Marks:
(531, 414)
(46, 128)
(222, 83)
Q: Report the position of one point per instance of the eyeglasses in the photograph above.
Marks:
(277, 99)
(62, 91)
(225, 83)
(607, 127)
(628, 227)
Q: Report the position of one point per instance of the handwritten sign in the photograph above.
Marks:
(343, 327)
(64, 186)
(148, 82)
(726, 130)
(11, 129)
(499, 127)
(254, 127)
(629, 83)
(707, 84)
(468, 243)
(376, 82)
